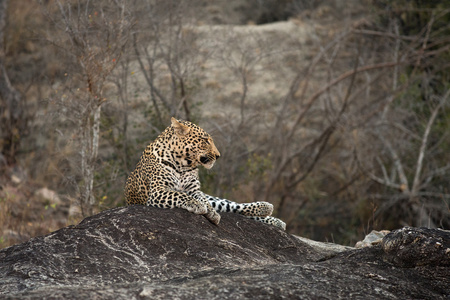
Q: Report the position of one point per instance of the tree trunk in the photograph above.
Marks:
(89, 153)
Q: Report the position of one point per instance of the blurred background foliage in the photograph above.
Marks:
(337, 112)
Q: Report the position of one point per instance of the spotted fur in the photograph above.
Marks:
(166, 176)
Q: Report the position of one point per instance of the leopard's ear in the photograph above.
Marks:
(179, 128)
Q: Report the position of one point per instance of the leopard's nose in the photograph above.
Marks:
(217, 156)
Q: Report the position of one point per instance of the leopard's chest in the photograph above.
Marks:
(179, 181)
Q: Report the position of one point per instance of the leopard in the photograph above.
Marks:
(167, 176)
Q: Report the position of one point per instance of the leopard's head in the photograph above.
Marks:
(195, 146)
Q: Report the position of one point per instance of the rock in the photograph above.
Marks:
(49, 196)
(373, 238)
(75, 210)
(326, 249)
(149, 253)
(410, 247)
(17, 174)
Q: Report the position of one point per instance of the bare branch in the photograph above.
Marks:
(384, 181)
(423, 146)
(398, 165)
(345, 75)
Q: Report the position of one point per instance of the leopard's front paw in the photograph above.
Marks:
(195, 206)
(213, 216)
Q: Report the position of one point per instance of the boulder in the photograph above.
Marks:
(140, 252)
(410, 247)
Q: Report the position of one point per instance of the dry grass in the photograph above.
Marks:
(25, 214)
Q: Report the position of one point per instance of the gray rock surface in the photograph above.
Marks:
(410, 247)
(141, 252)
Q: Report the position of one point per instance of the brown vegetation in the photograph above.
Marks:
(339, 116)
